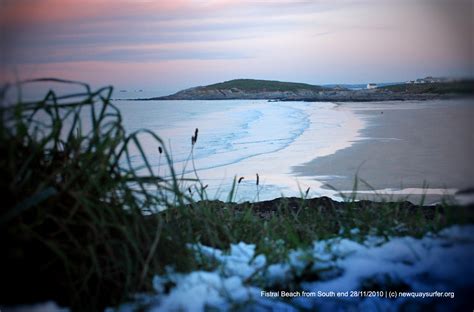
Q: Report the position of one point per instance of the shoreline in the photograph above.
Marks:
(329, 130)
(407, 148)
(357, 96)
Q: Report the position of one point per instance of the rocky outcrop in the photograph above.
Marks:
(201, 93)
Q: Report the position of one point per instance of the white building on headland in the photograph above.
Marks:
(371, 85)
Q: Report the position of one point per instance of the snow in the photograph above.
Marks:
(199, 289)
(440, 262)
(239, 262)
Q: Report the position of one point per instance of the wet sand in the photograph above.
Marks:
(406, 145)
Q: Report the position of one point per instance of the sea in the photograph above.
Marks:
(240, 139)
(237, 139)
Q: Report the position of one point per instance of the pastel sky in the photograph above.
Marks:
(165, 46)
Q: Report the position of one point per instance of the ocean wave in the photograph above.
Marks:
(241, 138)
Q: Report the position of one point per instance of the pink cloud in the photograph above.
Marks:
(58, 11)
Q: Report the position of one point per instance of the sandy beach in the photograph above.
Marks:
(406, 146)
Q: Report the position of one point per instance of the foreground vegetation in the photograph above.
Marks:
(82, 227)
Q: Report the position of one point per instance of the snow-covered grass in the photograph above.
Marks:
(365, 273)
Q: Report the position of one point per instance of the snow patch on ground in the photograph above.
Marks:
(441, 262)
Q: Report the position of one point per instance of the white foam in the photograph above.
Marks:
(329, 130)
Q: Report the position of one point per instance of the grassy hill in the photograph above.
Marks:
(458, 87)
(253, 85)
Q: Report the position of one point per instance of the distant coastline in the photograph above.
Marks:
(250, 89)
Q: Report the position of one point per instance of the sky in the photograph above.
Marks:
(169, 45)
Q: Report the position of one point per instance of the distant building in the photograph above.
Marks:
(430, 79)
(371, 85)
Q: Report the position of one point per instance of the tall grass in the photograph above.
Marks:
(80, 221)
(76, 219)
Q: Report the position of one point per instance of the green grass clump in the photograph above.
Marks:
(75, 216)
(299, 222)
